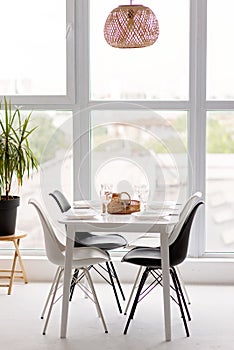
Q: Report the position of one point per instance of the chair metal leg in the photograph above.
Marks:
(133, 289)
(113, 286)
(114, 276)
(90, 282)
(87, 289)
(110, 270)
(141, 285)
(50, 292)
(179, 301)
(52, 299)
(73, 283)
(181, 293)
(117, 279)
(182, 284)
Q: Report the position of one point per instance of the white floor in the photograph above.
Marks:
(212, 325)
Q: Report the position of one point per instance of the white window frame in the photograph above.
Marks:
(78, 101)
(66, 102)
(196, 107)
(82, 122)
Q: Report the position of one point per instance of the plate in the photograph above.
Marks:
(81, 204)
(85, 204)
(80, 214)
(151, 215)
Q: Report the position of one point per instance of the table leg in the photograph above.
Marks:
(66, 282)
(166, 285)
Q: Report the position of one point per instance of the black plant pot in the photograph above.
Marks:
(8, 213)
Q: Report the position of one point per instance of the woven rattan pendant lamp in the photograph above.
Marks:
(131, 26)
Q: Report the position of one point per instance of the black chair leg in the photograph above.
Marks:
(141, 285)
(113, 286)
(117, 279)
(134, 305)
(73, 283)
(179, 302)
(181, 293)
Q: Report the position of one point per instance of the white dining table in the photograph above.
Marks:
(118, 223)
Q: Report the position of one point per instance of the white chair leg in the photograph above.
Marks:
(78, 280)
(182, 284)
(85, 288)
(133, 289)
(86, 285)
(50, 292)
(52, 299)
(90, 282)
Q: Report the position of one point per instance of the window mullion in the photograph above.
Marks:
(197, 120)
(81, 113)
(70, 43)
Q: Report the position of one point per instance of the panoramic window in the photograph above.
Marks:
(33, 59)
(158, 72)
(149, 148)
(52, 144)
(161, 116)
(220, 52)
(219, 128)
(220, 181)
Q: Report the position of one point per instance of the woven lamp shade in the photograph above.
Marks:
(131, 26)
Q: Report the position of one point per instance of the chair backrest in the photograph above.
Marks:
(192, 200)
(178, 249)
(64, 205)
(61, 200)
(53, 246)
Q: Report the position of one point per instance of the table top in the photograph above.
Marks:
(120, 223)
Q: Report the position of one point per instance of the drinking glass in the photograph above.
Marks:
(144, 194)
(105, 196)
(137, 192)
(141, 193)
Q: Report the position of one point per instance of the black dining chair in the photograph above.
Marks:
(105, 242)
(150, 258)
(153, 241)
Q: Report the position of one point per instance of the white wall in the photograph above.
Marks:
(194, 271)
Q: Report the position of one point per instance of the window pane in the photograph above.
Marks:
(140, 148)
(33, 54)
(220, 51)
(220, 182)
(52, 143)
(156, 72)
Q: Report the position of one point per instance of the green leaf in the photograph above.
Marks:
(16, 156)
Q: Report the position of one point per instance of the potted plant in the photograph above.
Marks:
(16, 160)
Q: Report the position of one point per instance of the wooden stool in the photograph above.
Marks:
(13, 272)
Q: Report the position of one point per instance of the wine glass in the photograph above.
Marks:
(137, 192)
(144, 193)
(105, 196)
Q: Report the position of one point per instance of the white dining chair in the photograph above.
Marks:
(106, 242)
(83, 257)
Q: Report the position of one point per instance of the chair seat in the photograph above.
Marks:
(105, 241)
(150, 257)
(85, 256)
(146, 240)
